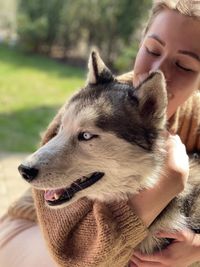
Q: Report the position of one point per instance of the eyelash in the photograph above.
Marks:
(185, 69)
(152, 53)
(177, 64)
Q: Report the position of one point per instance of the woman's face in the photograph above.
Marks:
(172, 44)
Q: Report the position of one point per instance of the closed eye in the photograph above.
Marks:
(155, 54)
(152, 52)
(183, 68)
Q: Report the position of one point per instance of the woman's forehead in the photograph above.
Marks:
(177, 30)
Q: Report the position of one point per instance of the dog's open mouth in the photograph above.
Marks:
(59, 196)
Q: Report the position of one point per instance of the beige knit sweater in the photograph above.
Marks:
(88, 233)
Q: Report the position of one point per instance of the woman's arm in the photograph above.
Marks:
(88, 233)
(149, 203)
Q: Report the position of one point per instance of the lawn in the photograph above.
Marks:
(32, 88)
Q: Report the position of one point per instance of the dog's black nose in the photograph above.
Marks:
(28, 173)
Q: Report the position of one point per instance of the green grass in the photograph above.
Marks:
(32, 88)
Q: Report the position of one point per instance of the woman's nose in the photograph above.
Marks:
(163, 66)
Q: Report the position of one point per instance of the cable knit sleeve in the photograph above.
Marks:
(90, 233)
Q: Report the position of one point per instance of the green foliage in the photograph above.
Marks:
(70, 29)
(38, 23)
(129, 16)
(125, 60)
(32, 33)
(32, 89)
(107, 24)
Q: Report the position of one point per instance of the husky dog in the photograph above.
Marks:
(108, 145)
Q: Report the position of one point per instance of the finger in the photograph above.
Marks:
(136, 261)
(140, 263)
(174, 235)
(156, 257)
(175, 138)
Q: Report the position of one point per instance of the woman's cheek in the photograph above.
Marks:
(179, 96)
(185, 85)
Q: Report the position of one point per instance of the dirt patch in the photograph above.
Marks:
(11, 183)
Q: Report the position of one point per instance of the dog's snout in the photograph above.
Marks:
(28, 173)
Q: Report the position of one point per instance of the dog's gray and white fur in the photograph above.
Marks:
(124, 127)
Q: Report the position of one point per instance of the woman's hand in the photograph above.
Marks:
(177, 162)
(147, 204)
(182, 252)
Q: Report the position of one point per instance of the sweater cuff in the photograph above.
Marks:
(131, 227)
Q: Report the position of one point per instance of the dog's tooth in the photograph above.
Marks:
(56, 196)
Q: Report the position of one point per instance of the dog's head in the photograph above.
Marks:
(106, 142)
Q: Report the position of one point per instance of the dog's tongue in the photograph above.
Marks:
(53, 194)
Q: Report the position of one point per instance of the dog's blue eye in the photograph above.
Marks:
(85, 136)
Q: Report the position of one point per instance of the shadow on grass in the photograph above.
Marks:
(21, 130)
(16, 59)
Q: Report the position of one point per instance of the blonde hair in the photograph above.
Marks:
(189, 8)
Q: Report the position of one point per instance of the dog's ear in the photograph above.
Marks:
(53, 127)
(98, 72)
(152, 96)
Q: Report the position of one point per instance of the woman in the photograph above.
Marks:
(171, 43)
(92, 234)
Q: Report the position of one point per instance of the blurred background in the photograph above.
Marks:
(44, 47)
